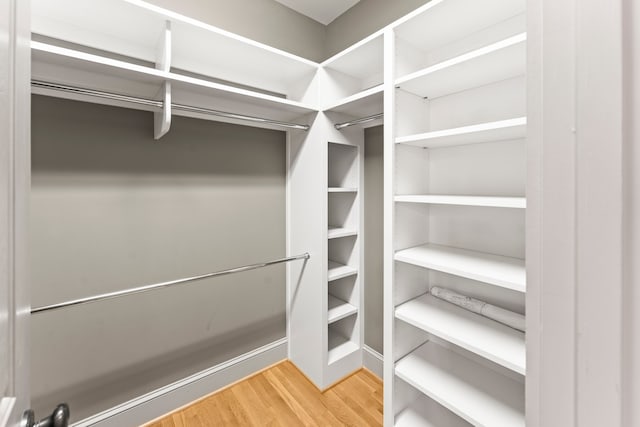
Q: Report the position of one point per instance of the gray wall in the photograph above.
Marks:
(373, 235)
(363, 19)
(111, 208)
(265, 21)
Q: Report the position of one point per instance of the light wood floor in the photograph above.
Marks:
(283, 396)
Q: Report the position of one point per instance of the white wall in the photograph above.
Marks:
(111, 208)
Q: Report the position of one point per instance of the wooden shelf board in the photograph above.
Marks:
(339, 309)
(338, 271)
(503, 130)
(479, 395)
(338, 232)
(339, 347)
(481, 201)
(425, 412)
(485, 337)
(498, 61)
(342, 190)
(362, 104)
(497, 270)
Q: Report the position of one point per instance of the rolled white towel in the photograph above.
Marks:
(506, 317)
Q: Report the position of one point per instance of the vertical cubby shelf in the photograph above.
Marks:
(458, 207)
(343, 252)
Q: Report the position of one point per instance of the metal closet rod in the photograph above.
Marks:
(359, 121)
(146, 288)
(158, 104)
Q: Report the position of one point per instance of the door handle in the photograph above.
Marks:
(58, 418)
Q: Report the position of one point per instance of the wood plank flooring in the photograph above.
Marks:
(283, 396)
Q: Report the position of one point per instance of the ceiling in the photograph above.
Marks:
(324, 11)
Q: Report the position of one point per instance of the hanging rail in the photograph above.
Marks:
(158, 104)
(155, 286)
(354, 122)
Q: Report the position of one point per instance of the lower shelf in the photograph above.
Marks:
(425, 412)
(474, 392)
(339, 347)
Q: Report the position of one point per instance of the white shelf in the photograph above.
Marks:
(338, 271)
(480, 395)
(498, 61)
(362, 104)
(430, 27)
(337, 232)
(503, 130)
(497, 270)
(342, 190)
(425, 412)
(485, 337)
(495, 202)
(67, 66)
(339, 309)
(339, 347)
(132, 28)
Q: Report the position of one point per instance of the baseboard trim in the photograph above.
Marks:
(373, 361)
(159, 402)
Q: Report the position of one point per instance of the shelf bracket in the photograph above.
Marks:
(162, 119)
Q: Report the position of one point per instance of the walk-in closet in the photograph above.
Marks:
(288, 212)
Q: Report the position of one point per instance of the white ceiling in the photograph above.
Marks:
(323, 11)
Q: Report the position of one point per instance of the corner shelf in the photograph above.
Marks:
(479, 395)
(485, 337)
(497, 270)
(338, 232)
(480, 201)
(498, 61)
(339, 309)
(365, 103)
(503, 130)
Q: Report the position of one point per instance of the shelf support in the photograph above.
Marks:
(162, 119)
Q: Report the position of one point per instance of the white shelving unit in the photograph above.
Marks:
(455, 123)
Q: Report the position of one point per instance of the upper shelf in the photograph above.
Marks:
(481, 396)
(493, 269)
(498, 61)
(485, 337)
(67, 66)
(361, 60)
(430, 26)
(133, 28)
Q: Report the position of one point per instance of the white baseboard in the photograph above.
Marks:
(373, 361)
(166, 399)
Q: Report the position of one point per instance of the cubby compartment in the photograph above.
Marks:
(343, 166)
(344, 339)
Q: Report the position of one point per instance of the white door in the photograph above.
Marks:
(14, 189)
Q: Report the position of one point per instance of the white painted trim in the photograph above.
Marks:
(373, 361)
(165, 399)
(6, 409)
